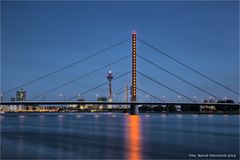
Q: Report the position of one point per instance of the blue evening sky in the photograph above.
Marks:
(40, 37)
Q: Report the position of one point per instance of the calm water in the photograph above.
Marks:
(116, 136)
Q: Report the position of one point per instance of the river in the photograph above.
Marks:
(118, 136)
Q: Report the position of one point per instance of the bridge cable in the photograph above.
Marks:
(117, 92)
(174, 59)
(154, 64)
(99, 85)
(141, 91)
(119, 89)
(164, 86)
(120, 92)
(66, 66)
(81, 77)
(149, 94)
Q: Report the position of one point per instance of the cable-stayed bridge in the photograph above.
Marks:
(134, 88)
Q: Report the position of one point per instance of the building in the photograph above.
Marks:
(13, 99)
(102, 99)
(81, 99)
(21, 95)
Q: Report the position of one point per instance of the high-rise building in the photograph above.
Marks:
(21, 95)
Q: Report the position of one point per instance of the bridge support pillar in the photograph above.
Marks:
(134, 108)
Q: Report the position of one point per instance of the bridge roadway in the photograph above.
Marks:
(114, 103)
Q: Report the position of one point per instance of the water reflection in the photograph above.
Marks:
(134, 138)
(1, 117)
(101, 136)
(59, 138)
(41, 129)
(20, 137)
(19, 145)
(22, 117)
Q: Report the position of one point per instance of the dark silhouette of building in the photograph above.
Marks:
(102, 99)
(21, 95)
(227, 107)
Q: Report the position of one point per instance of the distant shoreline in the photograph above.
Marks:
(161, 113)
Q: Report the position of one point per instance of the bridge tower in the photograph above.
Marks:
(110, 77)
(134, 108)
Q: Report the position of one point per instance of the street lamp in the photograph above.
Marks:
(163, 98)
(179, 98)
(147, 96)
(97, 96)
(43, 97)
(62, 95)
(1, 96)
(194, 97)
(79, 95)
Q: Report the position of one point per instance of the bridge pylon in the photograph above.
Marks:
(134, 108)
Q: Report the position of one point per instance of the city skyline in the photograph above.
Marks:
(40, 37)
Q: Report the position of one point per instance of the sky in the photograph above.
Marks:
(40, 37)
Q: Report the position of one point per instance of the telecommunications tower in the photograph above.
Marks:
(110, 77)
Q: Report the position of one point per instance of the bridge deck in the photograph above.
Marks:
(113, 103)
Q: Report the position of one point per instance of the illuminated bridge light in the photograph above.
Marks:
(134, 66)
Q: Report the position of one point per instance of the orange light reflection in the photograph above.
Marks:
(134, 138)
